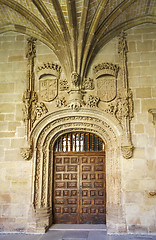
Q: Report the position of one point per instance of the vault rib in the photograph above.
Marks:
(64, 28)
(92, 30)
(73, 31)
(104, 25)
(82, 32)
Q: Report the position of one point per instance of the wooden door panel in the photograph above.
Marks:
(65, 190)
(79, 188)
(92, 203)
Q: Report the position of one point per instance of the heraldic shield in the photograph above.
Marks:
(106, 88)
(48, 89)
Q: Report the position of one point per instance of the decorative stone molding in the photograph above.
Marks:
(31, 48)
(30, 96)
(124, 111)
(93, 101)
(153, 112)
(32, 110)
(88, 84)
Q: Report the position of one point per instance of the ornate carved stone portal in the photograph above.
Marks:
(102, 105)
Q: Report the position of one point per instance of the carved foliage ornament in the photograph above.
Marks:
(88, 84)
(64, 85)
(61, 102)
(31, 48)
(93, 101)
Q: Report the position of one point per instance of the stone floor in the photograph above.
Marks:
(75, 232)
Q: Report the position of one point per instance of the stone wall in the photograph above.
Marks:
(138, 173)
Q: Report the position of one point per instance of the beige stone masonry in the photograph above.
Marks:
(137, 177)
(139, 128)
(143, 93)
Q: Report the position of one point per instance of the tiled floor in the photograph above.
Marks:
(74, 232)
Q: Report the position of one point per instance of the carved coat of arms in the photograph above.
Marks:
(48, 89)
(106, 88)
(106, 76)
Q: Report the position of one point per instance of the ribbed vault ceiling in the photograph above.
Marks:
(74, 29)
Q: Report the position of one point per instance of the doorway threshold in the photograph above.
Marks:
(78, 227)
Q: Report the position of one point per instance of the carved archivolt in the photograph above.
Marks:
(44, 135)
(70, 123)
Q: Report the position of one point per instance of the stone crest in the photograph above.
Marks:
(48, 75)
(106, 76)
(48, 89)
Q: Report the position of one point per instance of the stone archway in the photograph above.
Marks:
(44, 135)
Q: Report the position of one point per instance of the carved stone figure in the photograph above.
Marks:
(75, 79)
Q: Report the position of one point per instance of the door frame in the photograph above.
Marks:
(44, 135)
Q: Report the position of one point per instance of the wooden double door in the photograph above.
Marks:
(79, 187)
